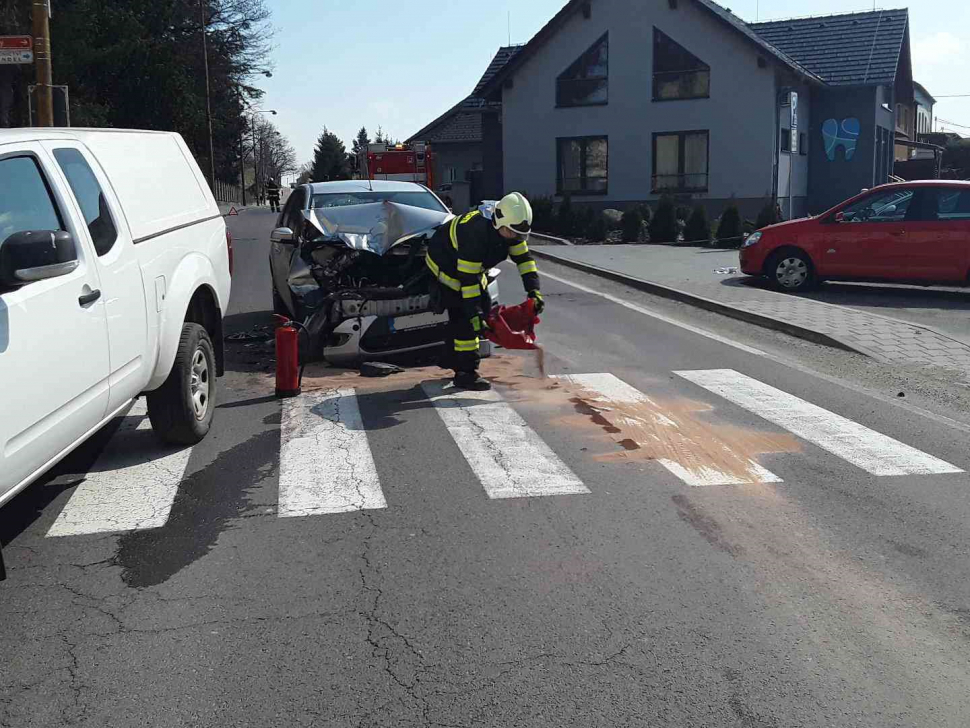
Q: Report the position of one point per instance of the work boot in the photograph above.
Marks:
(471, 380)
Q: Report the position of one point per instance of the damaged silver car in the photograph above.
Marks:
(347, 261)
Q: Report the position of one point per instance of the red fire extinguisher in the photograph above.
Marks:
(287, 358)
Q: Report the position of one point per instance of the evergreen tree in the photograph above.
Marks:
(329, 158)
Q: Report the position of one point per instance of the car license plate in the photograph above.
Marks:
(417, 321)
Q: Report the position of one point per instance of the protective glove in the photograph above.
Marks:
(540, 304)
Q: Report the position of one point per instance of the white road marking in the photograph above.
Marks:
(326, 465)
(131, 487)
(872, 451)
(507, 456)
(858, 389)
(612, 392)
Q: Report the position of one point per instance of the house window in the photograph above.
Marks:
(680, 161)
(803, 144)
(586, 81)
(786, 140)
(677, 73)
(581, 165)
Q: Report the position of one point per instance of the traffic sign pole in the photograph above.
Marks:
(42, 62)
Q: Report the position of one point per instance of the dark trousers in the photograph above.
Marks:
(274, 204)
(461, 334)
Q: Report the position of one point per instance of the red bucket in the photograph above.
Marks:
(513, 327)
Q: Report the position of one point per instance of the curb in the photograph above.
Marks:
(707, 304)
(550, 239)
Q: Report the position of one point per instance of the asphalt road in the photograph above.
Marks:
(828, 586)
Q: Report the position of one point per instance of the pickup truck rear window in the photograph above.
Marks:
(25, 200)
(89, 197)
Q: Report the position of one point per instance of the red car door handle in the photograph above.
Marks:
(899, 233)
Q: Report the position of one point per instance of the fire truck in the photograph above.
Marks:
(399, 162)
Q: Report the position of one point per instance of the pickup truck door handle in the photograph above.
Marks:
(85, 298)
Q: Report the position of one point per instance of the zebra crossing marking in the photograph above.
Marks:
(638, 415)
(131, 486)
(872, 451)
(508, 457)
(326, 463)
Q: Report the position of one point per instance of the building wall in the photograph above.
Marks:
(739, 114)
(461, 156)
(833, 181)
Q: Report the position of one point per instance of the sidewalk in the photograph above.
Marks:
(688, 275)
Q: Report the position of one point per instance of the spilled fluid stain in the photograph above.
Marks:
(705, 525)
(206, 504)
(677, 432)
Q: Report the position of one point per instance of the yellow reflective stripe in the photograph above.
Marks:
(453, 231)
(468, 216)
(520, 249)
(476, 323)
(471, 291)
(484, 282)
(469, 266)
(452, 283)
(466, 344)
(528, 267)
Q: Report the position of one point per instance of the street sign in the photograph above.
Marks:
(11, 58)
(16, 42)
(794, 122)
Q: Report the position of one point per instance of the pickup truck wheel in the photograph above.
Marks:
(181, 409)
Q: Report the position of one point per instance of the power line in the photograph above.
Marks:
(951, 123)
(953, 96)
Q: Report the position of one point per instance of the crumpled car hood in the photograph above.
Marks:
(375, 226)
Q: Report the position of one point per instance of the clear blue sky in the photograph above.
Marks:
(400, 63)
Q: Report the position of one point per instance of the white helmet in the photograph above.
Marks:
(513, 211)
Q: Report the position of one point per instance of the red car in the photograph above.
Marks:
(908, 232)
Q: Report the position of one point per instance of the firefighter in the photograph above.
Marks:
(459, 254)
(273, 195)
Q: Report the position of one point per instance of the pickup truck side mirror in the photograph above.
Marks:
(282, 235)
(34, 255)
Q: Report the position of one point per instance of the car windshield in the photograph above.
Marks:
(343, 199)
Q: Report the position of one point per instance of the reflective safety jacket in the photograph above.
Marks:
(463, 249)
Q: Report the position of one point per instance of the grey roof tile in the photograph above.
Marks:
(844, 50)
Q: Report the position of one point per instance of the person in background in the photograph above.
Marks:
(273, 195)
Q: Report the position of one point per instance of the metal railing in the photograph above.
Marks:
(680, 182)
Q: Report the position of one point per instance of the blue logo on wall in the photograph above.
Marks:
(843, 134)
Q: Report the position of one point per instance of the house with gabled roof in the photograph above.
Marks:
(619, 101)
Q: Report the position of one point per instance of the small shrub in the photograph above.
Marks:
(565, 219)
(583, 220)
(768, 215)
(597, 230)
(663, 226)
(730, 226)
(698, 228)
(543, 214)
(646, 212)
(683, 212)
(630, 225)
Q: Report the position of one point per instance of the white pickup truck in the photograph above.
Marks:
(115, 267)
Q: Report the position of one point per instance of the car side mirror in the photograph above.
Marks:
(282, 235)
(840, 216)
(34, 255)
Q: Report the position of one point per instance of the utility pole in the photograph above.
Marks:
(42, 62)
(255, 162)
(208, 103)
